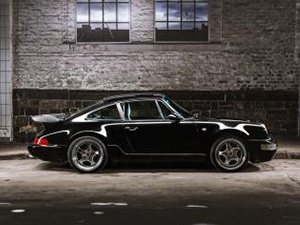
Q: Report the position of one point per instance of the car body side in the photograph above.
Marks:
(159, 137)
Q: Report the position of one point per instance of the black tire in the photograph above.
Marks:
(229, 153)
(87, 154)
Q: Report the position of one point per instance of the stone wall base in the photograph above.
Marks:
(277, 109)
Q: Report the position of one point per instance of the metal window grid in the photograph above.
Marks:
(181, 20)
(103, 3)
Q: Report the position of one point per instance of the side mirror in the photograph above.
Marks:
(174, 118)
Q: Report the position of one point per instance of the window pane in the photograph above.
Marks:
(201, 26)
(98, 22)
(161, 26)
(110, 12)
(96, 12)
(161, 11)
(174, 26)
(202, 11)
(123, 26)
(110, 26)
(141, 110)
(188, 11)
(96, 26)
(108, 113)
(165, 111)
(188, 26)
(82, 13)
(123, 13)
(174, 11)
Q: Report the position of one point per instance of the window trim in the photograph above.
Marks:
(103, 43)
(181, 42)
(84, 117)
(157, 105)
(101, 108)
(171, 109)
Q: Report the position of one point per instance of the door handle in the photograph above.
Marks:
(131, 128)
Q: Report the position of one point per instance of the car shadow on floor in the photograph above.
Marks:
(149, 168)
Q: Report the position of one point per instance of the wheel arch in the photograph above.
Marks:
(228, 132)
(87, 133)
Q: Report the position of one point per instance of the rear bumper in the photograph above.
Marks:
(48, 153)
(262, 150)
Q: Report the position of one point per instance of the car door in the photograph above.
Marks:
(182, 133)
(149, 132)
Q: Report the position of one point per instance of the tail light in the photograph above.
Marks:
(41, 141)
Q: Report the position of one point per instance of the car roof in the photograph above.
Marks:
(132, 96)
(116, 98)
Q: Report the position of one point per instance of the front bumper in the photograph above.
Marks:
(48, 153)
(262, 150)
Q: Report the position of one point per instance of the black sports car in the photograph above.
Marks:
(148, 125)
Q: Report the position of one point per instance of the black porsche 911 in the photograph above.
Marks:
(148, 125)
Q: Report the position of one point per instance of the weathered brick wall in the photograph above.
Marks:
(252, 48)
(278, 109)
(259, 41)
(256, 51)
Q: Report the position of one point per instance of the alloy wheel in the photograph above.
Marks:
(230, 154)
(87, 154)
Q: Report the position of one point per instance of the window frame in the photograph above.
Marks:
(101, 42)
(163, 103)
(181, 42)
(142, 100)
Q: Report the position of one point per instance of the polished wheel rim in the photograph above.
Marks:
(87, 155)
(230, 154)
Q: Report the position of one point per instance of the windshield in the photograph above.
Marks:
(183, 112)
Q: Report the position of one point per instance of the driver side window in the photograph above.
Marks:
(165, 110)
(141, 110)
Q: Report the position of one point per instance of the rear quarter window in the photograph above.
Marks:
(107, 113)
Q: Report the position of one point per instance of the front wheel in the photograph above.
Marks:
(229, 153)
(87, 154)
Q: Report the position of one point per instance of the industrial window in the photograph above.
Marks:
(181, 20)
(102, 20)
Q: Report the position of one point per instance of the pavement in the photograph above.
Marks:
(37, 192)
(288, 148)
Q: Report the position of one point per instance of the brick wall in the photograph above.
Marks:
(251, 50)
(277, 109)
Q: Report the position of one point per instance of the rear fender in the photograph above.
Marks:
(88, 133)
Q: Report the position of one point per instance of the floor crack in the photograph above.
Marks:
(294, 180)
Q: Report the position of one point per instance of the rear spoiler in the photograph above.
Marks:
(49, 118)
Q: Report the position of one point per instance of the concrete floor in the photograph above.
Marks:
(267, 193)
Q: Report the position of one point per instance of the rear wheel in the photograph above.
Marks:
(229, 153)
(87, 154)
